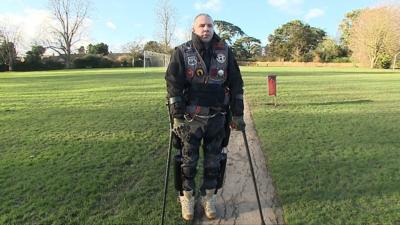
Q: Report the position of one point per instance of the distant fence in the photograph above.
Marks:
(296, 64)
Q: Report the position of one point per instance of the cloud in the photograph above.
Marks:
(290, 6)
(32, 26)
(110, 25)
(314, 13)
(183, 34)
(214, 5)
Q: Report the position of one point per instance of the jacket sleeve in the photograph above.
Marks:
(175, 79)
(235, 84)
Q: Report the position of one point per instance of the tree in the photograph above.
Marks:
(294, 41)
(227, 31)
(35, 54)
(375, 35)
(326, 50)
(153, 46)
(135, 49)
(247, 47)
(81, 50)
(165, 14)
(101, 49)
(69, 17)
(345, 27)
(9, 37)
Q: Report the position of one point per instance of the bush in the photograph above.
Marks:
(341, 60)
(384, 61)
(53, 65)
(3, 67)
(25, 66)
(123, 61)
(35, 66)
(138, 63)
(92, 61)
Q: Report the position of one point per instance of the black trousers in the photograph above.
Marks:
(212, 132)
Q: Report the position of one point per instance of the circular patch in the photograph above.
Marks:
(199, 72)
(189, 73)
(221, 73)
(221, 58)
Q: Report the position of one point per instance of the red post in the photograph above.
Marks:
(272, 85)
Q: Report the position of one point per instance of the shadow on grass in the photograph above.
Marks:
(315, 73)
(343, 102)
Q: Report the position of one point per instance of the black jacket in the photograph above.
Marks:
(177, 83)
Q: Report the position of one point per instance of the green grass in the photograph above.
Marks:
(83, 147)
(332, 143)
(89, 146)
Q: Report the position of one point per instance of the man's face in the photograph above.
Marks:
(204, 28)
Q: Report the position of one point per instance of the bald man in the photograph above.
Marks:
(204, 85)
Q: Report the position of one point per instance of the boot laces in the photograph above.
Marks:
(187, 203)
(210, 203)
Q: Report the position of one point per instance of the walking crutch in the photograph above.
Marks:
(168, 165)
(252, 174)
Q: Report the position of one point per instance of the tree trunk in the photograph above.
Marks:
(372, 63)
(395, 60)
(10, 62)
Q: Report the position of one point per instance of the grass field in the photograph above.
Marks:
(89, 146)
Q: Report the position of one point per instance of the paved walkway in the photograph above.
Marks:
(237, 204)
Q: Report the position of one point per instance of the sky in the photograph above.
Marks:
(118, 22)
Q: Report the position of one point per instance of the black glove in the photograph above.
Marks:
(238, 123)
(180, 128)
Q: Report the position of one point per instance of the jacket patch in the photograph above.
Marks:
(192, 60)
(221, 58)
(189, 73)
(199, 72)
(213, 72)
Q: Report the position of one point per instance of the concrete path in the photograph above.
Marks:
(237, 203)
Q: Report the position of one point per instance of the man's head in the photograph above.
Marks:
(203, 26)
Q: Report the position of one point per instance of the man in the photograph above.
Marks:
(204, 84)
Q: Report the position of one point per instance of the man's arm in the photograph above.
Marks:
(235, 85)
(175, 79)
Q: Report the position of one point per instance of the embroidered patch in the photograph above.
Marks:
(221, 58)
(213, 73)
(199, 72)
(189, 73)
(221, 73)
(192, 60)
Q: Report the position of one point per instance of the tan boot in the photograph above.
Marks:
(187, 203)
(209, 204)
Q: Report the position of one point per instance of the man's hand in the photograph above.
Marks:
(238, 123)
(180, 128)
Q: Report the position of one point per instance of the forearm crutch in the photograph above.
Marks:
(252, 174)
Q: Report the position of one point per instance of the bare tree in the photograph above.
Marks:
(69, 17)
(9, 38)
(374, 33)
(394, 46)
(166, 17)
(135, 48)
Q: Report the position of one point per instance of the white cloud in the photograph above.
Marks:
(290, 6)
(214, 5)
(32, 25)
(182, 34)
(314, 13)
(110, 25)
